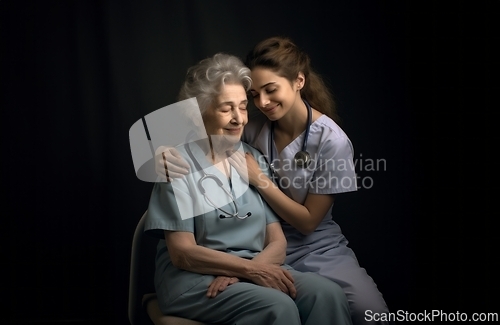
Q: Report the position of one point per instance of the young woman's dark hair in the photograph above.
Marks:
(282, 56)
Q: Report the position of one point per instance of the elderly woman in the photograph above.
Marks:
(222, 251)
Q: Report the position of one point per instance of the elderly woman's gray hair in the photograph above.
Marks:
(206, 79)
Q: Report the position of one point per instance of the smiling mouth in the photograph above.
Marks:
(267, 110)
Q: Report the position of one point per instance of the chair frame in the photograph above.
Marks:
(143, 305)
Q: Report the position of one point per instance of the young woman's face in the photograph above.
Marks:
(272, 94)
(228, 114)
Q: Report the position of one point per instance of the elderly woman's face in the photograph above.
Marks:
(228, 115)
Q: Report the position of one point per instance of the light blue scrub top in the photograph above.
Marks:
(331, 171)
(175, 206)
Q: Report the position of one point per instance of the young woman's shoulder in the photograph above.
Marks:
(327, 127)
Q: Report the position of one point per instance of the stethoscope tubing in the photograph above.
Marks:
(219, 183)
(303, 152)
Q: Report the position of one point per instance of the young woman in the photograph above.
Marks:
(311, 160)
(289, 94)
(220, 257)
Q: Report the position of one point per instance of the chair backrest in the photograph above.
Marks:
(142, 268)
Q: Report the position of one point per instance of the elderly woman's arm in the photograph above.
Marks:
(188, 255)
(275, 246)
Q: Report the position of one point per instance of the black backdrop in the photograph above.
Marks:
(415, 83)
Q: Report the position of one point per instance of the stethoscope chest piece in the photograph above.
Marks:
(302, 159)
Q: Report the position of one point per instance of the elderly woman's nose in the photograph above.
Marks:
(237, 116)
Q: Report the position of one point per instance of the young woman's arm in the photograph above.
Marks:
(304, 217)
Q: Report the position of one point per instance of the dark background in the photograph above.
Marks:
(416, 83)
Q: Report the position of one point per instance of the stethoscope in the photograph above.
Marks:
(219, 183)
(302, 158)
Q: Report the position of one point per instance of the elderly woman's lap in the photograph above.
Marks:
(241, 303)
(247, 303)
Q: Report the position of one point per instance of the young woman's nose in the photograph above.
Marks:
(263, 101)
